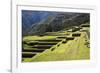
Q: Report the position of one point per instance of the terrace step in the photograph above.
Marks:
(62, 37)
(47, 43)
(42, 46)
(33, 50)
(32, 43)
(76, 34)
(70, 38)
(57, 34)
(85, 25)
(51, 40)
(42, 43)
(28, 54)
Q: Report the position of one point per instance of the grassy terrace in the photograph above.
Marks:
(57, 46)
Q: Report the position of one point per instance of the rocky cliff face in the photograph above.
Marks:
(62, 21)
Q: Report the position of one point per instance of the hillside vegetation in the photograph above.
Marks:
(55, 36)
(58, 46)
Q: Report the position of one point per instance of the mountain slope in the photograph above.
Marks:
(39, 22)
(32, 18)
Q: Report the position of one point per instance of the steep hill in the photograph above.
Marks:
(39, 22)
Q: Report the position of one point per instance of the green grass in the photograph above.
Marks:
(70, 50)
(30, 38)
